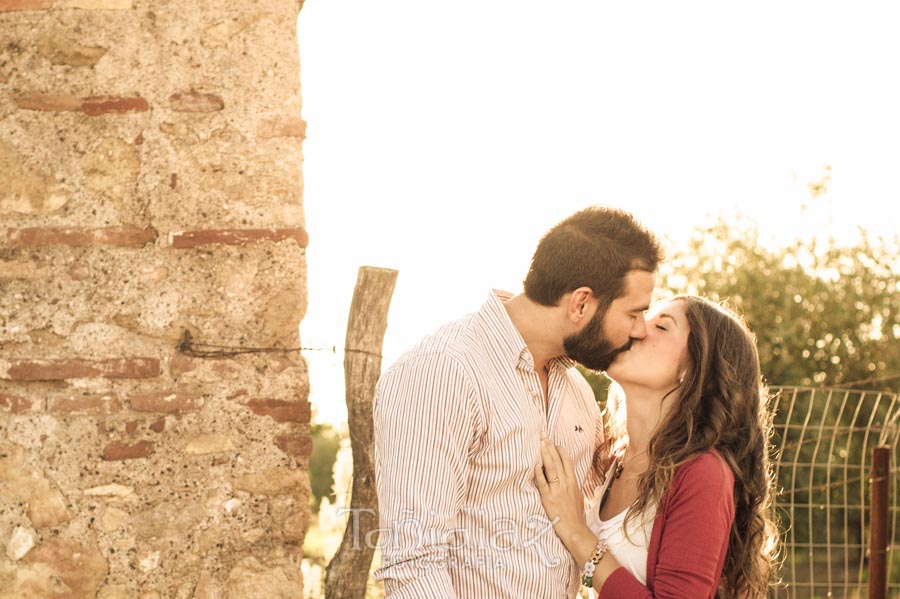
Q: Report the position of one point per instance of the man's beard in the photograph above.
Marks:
(590, 347)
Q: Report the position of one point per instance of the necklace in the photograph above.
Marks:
(618, 468)
(620, 465)
(617, 472)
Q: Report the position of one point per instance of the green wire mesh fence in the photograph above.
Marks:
(824, 440)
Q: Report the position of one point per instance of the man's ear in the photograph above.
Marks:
(580, 302)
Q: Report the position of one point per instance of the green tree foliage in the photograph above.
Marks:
(326, 443)
(598, 382)
(824, 314)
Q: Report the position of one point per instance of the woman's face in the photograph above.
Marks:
(658, 361)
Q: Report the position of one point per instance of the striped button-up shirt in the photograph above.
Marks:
(458, 421)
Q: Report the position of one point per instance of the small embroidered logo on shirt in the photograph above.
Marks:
(578, 428)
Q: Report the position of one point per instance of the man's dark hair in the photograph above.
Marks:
(595, 247)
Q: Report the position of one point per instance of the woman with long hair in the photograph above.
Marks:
(685, 506)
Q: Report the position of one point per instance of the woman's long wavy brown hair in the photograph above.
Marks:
(722, 404)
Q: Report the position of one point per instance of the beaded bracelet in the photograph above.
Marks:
(587, 574)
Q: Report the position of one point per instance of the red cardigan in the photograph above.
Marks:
(690, 536)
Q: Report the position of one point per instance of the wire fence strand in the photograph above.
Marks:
(823, 441)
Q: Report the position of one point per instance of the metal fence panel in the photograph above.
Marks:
(823, 439)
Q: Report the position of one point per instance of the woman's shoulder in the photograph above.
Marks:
(707, 467)
(704, 479)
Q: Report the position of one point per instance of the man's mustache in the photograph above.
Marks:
(624, 348)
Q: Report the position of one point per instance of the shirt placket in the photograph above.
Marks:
(556, 395)
(531, 382)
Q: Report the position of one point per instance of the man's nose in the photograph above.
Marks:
(639, 329)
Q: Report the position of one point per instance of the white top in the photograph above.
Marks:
(631, 550)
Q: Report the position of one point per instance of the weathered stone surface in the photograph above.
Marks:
(196, 102)
(184, 134)
(114, 591)
(271, 481)
(118, 450)
(206, 444)
(282, 126)
(22, 270)
(113, 518)
(192, 239)
(112, 490)
(69, 569)
(296, 525)
(168, 520)
(207, 587)
(295, 444)
(117, 116)
(46, 338)
(281, 410)
(166, 403)
(56, 370)
(249, 575)
(99, 105)
(20, 543)
(282, 314)
(220, 33)
(47, 506)
(85, 404)
(253, 535)
(26, 188)
(98, 4)
(91, 106)
(62, 49)
(149, 560)
(10, 5)
(55, 569)
(180, 364)
(45, 503)
(112, 168)
(49, 102)
(121, 236)
(14, 404)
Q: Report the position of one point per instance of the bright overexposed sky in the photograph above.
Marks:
(444, 138)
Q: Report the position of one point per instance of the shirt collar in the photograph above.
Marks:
(512, 345)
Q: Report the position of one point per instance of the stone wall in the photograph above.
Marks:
(150, 186)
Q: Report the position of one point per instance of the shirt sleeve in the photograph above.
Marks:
(424, 422)
(698, 514)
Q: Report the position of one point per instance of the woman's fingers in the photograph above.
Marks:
(558, 486)
(553, 467)
(540, 480)
(568, 466)
(569, 477)
(550, 454)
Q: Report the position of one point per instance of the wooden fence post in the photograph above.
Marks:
(348, 572)
(878, 523)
